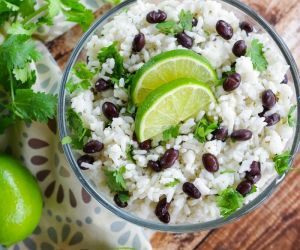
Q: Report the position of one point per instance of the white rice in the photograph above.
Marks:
(237, 109)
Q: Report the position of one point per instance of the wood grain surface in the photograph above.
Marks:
(276, 224)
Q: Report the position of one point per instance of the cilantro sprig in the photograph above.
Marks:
(19, 20)
(256, 53)
(229, 200)
(281, 162)
(203, 128)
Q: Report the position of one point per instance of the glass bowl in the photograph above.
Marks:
(243, 12)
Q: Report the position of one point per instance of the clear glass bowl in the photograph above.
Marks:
(79, 53)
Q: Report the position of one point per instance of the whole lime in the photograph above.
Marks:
(21, 201)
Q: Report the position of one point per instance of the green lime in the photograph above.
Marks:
(170, 66)
(170, 104)
(21, 201)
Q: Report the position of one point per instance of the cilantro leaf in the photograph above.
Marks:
(115, 179)
(19, 28)
(229, 200)
(203, 128)
(112, 52)
(18, 51)
(255, 52)
(173, 183)
(185, 20)
(168, 27)
(77, 130)
(73, 10)
(281, 162)
(171, 132)
(27, 7)
(29, 105)
(291, 118)
(129, 153)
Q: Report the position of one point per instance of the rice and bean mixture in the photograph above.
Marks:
(205, 167)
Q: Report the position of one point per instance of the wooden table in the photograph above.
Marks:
(276, 224)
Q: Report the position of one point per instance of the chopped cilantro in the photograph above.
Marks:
(228, 201)
(112, 52)
(255, 52)
(123, 197)
(66, 140)
(282, 162)
(228, 171)
(115, 180)
(129, 152)
(71, 86)
(168, 27)
(172, 183)
(253, 189)
(171, 132)
(83, 72)
(203, 128)
(291, 118)
(185, 20)
(77, 130)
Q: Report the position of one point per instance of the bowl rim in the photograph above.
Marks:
(177, 228)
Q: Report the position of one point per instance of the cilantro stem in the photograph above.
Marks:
(12, 94)
(34, 14)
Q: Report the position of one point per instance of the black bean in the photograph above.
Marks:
(263, 112)
(210, 162)
(224, 29)
(232, 82)
(191, 190)
(145, 145)
(156, 16)
(254, 168)
(244, 187)
(154, 165)
(194, 22)
(93, 146)
(184, 40)
(119, 202)
(253, 178)
(246, 26)
(241, 135)
(220, 134)
(285, 79)
(272, 119)
(110, 110)
(169, 158)
(85, 159)
(138, 43)
(165, 218)
(239, 48)
(102, 85)
(268, 99)
(162, 207)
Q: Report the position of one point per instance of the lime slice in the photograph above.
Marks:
(169, 66)
(170, 104)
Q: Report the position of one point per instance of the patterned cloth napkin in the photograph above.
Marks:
(71, 218)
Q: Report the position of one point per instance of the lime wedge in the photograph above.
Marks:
(169, 66)
(170, 104)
